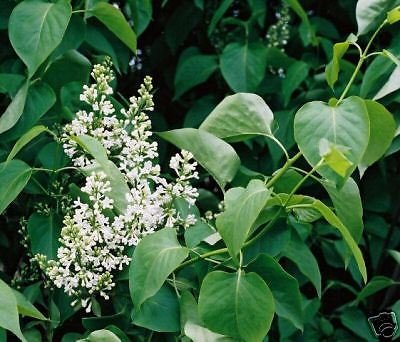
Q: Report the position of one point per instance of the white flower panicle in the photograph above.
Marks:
(94, 238)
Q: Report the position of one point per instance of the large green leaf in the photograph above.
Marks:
(192, 71)
(348, 206)
(102, 335)
(236, 304)
(345, 125)
(371, 13)
(375, 285)
(26, 308)
(299, 10)
(25, 139)
(391, 85)
(332, 69)
(8, 311)
(298, 252)
(10, 83)
(333, 220)
(284, 287)
(235, 222)
(15, 109)
(295, 75)
(44, 232)
(36, 28)
(155, 257)
(119, 188)
(238, 117)
(218, 14)
(114, 20)
(142, 11)
(212, 153)
(160, 312)
(382, 131)
(243, 65)
(40, 99)
(191, 323)
(14, 175)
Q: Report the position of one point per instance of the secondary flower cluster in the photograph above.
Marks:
(95, 237)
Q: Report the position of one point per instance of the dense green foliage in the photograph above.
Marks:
(291, 110)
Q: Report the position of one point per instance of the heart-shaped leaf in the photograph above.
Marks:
(236, 304)
(238, 117)
(345, 125)
(234, 224)
(212, 153)
(44, 23)
(243, 65)
(154, 259)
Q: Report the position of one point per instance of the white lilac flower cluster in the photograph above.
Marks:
(94, 239)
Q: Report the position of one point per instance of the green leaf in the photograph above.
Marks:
(40, 99)
(102, 335)
(199, 111)
(73, 37)
(333, 220)
(382, 131)
(295, 75)
(284, 287)
(8, 311)
(44, 232)
(333, 68)
(345, 125)
(114, 20)
(218, 14)
(14, 175)
(154, 259)
(44, 23)
(235, 222)
(238, 117)
(356, 321)
(181, 24)
(298, 252)
(26, 308)
(25, 139)
(236, 304)
(391, 85)
(299, 10)
(191, 323)
(243, 65)
(197, 233)
(212, 153)
(393, 16)
(142, 11)
(334, 157)
(395, 255)
(52, 156)
(70, 67)
(10, 83)
(14, 109)
(348, 206)
(160, 312)
(375, 285)
(119, 188)
(371, 13)
(193, 71)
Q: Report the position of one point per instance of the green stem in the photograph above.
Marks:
(282, 170)
(360, 62)
(249, 242)
(300, 183)
(202, 256)
(276, 141)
